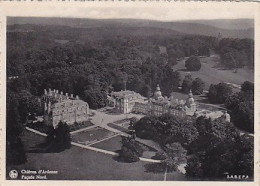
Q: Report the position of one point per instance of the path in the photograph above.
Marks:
(83, 129)
(212, 105)
(36, 131)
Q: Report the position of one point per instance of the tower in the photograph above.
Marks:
(190, 102)
(157, 93)
(226, 116)
(125, 105)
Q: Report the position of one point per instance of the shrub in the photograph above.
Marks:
(219, 93)
(128, 155)
(197, 86)
(193, 64)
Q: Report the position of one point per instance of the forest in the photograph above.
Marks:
(91, 62)
(84, 66)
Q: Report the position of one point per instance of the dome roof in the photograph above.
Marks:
(190, 94)
(157, 93)
(190, 98)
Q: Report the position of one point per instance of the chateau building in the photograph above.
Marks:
(59, 107)
(125, 101)
(130, 101)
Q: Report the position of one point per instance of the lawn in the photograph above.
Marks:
(93, 135)
(112, 144)
(81, 164)
(209, 107)
(211, 74)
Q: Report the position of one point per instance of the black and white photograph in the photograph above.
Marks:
(131, 94)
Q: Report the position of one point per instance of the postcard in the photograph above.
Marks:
(120, 93)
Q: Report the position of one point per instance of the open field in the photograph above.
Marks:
(81, 164)
(211, 74)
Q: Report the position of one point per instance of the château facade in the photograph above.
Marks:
(59, 107)
(130, 101)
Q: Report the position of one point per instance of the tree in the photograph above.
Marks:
(63, 136)
(58, 139)
(247, 87)
(193, 168)
(219, 149)
(131, 150)
(15, 152)
(219, 93)
(171, 57)
(170, 80)
(204, 51)
(166, 129)
(197, 86)
(175, 155)
(187, 84)
(193, 63)
(223, 91)
(221, 157)
(212, 94)
(95, 98)
(176, 129)
(145, 127)
(241, 106)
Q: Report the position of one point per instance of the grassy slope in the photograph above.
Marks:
(212, 75)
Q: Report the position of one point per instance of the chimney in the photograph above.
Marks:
(71, 95)
(57, 91)
(66, 94)
(77, 97)
(50, 92)
(49, 108)
(60, 98)
(45, 92)
(45, 107)
(61, 93)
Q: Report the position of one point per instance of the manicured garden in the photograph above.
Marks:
(93, 135)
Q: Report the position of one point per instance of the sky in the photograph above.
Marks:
(162, 11)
